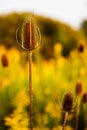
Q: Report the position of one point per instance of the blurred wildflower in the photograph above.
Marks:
(18, 120)
(5, 82)
(69, 127)
(61, 62)
(13, 56)
(60, 128)
(2, 50)
(53, 109)
(83, 71)
(23, 97)
(57, 49)
(57, 128)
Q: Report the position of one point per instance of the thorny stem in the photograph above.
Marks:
(30, 89)
(65, 119)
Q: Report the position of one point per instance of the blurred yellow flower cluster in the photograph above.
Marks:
(51, 79)
(53, 109)
(19, 120)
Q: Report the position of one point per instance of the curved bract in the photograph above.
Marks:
(30, 35)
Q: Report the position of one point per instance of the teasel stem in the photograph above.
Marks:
(30, 40)
(30, 82)
(30, 89)
(65, 120)
(77, 112)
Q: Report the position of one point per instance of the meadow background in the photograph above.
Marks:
(58, 64)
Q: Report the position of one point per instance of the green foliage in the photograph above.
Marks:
(84, 28)
(53, 32)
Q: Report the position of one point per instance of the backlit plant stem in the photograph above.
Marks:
(77, 113)
(30, 40)
(65, 120)
(79, 95)
(30, 89)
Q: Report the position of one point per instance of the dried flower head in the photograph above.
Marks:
(78, 88)
(30, 36)
(81, 47)
(84, 97)
(4, 60)
(68, 102)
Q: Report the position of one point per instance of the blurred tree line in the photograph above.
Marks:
(52, 32)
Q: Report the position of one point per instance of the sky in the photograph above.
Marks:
(72, 12)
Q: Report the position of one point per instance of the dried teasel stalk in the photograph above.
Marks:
(81, 47)
(68, 102)
(79, 88)
(79, 96)
(30, 40)
(84, 101)
(4, 60)
(84, 97)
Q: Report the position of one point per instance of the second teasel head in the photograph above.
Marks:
(78, 88)
(30, 35)
(84, 97)
(81, 46)
(68, 102)
(4, 60)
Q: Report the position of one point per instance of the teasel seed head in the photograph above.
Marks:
(78, 88)
(30, 35)
(81, 48)
(68, 102)
(84, 97)
(4, 60)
